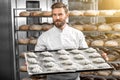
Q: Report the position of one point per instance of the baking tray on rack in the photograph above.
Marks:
(65, 61)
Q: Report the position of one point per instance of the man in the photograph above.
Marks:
(61, 36)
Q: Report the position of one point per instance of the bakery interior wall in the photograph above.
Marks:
(110, 5)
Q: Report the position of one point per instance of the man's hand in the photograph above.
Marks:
(104, 55)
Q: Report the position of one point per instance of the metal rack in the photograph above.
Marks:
(17, 34)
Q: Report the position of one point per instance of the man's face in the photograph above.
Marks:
(59, 17)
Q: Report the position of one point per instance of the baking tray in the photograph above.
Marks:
(65, 61)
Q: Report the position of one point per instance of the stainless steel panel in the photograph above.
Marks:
(6, 52)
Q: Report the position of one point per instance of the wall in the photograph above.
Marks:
(108, 5)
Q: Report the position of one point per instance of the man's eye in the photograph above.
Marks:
(54, 14)
(60, 14)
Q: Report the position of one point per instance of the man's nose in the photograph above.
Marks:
(57, 17)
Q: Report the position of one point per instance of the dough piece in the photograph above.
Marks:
(111, 43)
(46, 26)
(49, 64)
(46, 13)
(64, 57)
(91, 13)
(46, 54)
(22, 55)
(76, 13)
(23, 41)
(33, 41)
(116, 27)
(116, 73)
(107, 12)
(112, 57)
(23, 68)
(97, 43)
(31, 54)
(90, 50)
(84, 62)
(89, 66)
(79, 57)
(88, 27)
(117, 13)
(56, 69)
(98, 60)
(24, 27)
(63, 52)
(75, 51)
(32, 60)
(104, 73)
(31, 66)
(66, 62)
(104, 27)
(48, 59)
(36, 13)
(103, 65)
(70, 67)
(24, 13)
(114, 35)
(78, 27)
(36, 70)
(35, 27)
(94, 55)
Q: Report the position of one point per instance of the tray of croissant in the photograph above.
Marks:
(65, 61)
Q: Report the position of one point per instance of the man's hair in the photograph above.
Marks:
(60, 5)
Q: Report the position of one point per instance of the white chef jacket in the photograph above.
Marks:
(55, 38)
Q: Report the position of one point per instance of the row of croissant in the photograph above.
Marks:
(73, 13)
(84, 27)
(110, 41)
(93, 38)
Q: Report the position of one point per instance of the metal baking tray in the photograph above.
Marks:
(65, 61)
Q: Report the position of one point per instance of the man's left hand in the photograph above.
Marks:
(104, 55)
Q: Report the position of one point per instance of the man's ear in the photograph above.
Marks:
(68, 14)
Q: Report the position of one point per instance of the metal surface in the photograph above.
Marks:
(38, 56)
(6, 52)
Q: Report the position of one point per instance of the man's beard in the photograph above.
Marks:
(59, 23)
